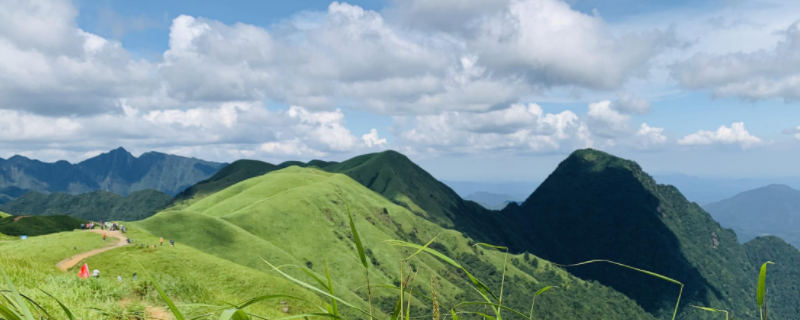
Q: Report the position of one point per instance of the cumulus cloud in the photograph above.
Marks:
(606, 121)
(648, 137)
(371, 139)
(763, 74)
(628, 103)
(517, 128)
(736, 134)
(793, 131)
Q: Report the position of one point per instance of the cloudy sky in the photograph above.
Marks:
(489, 90)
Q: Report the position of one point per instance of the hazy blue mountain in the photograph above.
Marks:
(517, 190)
(116, 171)
(493, 201)
(707, 190)
(770, 210)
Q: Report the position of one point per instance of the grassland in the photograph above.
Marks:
(3, 214)
(189, 276)
(297, 216)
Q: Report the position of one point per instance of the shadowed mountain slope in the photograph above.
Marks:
(95, 206)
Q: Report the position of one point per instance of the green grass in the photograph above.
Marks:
(38, 225)
(188, 276)
(3, 214)
(298, 216)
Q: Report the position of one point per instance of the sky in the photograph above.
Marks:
(490, 90)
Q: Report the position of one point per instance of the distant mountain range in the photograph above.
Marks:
(704, 190)
(493, 201)
(770, 210)
(117, 171)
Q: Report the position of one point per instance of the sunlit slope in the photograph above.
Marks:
(188, 275)
(298, 216)
(3, 214)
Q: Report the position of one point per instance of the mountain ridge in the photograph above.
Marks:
(115, 171)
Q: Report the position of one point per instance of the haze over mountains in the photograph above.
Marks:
(117, 171)
(770, 210)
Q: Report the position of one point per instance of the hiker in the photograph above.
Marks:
(119, 277)
(129, 241)
(134, 276)
(104, 237)
(83, 226)
(161, 241)
(96, 273)
(171, 242)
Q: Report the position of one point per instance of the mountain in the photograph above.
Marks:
(492, 201)
(298, 216)
(516, 189)
(94, 206)
(704, 190)
(774, 209)
(597, 206)
(388, 173)
(117, 171)
(36, 226)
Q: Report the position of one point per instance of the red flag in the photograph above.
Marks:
(84, 273)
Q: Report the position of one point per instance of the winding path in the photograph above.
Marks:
(72, 261)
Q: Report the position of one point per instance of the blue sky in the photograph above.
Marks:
(495, 90)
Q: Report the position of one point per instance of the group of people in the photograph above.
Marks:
(110, 226)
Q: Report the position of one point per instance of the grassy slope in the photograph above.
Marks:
(3, 214)
(95, 206)
(229, 175)
(297, 216)
(34, 226)
(189, 276)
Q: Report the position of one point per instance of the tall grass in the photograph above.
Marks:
(14, 305)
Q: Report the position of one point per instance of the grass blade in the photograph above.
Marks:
(177, 313)
(70, 316)
(330, 287)
(542, 290)
(762, 287)
(26, 313)
(234, 314)
(315, 289)
(7, 313)
(712, 310)
(356, 238)
(483, 288)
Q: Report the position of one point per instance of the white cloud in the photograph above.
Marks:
(763, 74)
(371, 139)
(606, 121)
(516, 129)
(648, 137)
(628, 103)
(736, 134)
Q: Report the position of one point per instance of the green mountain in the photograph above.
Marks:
(390, 174)
(297, 216)
(36, 226)
(116, 171)
(94, 206)
(774, 210)
(783, 277)
(597, 206)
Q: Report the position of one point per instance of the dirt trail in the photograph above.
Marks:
(72, 261)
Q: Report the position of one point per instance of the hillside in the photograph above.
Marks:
(594, 205)
(117, 171)
(783, 277)
(94, 206)
(189, 276)
(297, 216)
(229, 175)
(3, 214)
(770, 210)
(35, 226)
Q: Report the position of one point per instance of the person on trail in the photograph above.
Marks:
(161, 241)
(134, 276)
(172, 242)
(83, 226)
(119, 277)
(104, 237)
(129, 241)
